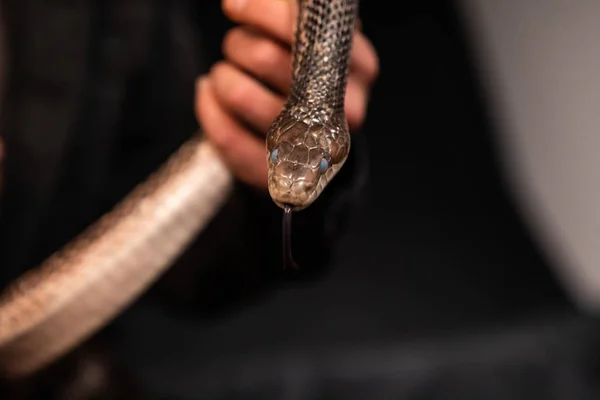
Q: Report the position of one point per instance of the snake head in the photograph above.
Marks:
(302, 160)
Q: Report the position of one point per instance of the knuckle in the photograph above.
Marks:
(231, 42)
(211, 120)
(229, 83)
(230, 10)
(219, 69)
(254, 51)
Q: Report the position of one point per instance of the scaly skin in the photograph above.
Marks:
(309, 141)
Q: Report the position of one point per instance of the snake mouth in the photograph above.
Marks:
(290, 206)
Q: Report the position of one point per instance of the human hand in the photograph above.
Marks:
(245, 92)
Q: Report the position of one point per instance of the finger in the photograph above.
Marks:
(241, 151)
(364, 62)
(273, 17)
(270, 62)
(260, 56)
(244, 97)
(267, 61)
(356, 103)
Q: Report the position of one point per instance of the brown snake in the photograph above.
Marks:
(80, 288)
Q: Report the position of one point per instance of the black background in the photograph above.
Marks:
(437, 290)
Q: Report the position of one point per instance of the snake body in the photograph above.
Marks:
(80, 288)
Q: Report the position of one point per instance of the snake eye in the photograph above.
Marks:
(323, 165)
(274, 155)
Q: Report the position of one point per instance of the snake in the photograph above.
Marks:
(52, 308)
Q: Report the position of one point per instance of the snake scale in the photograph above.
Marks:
(55, 306)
